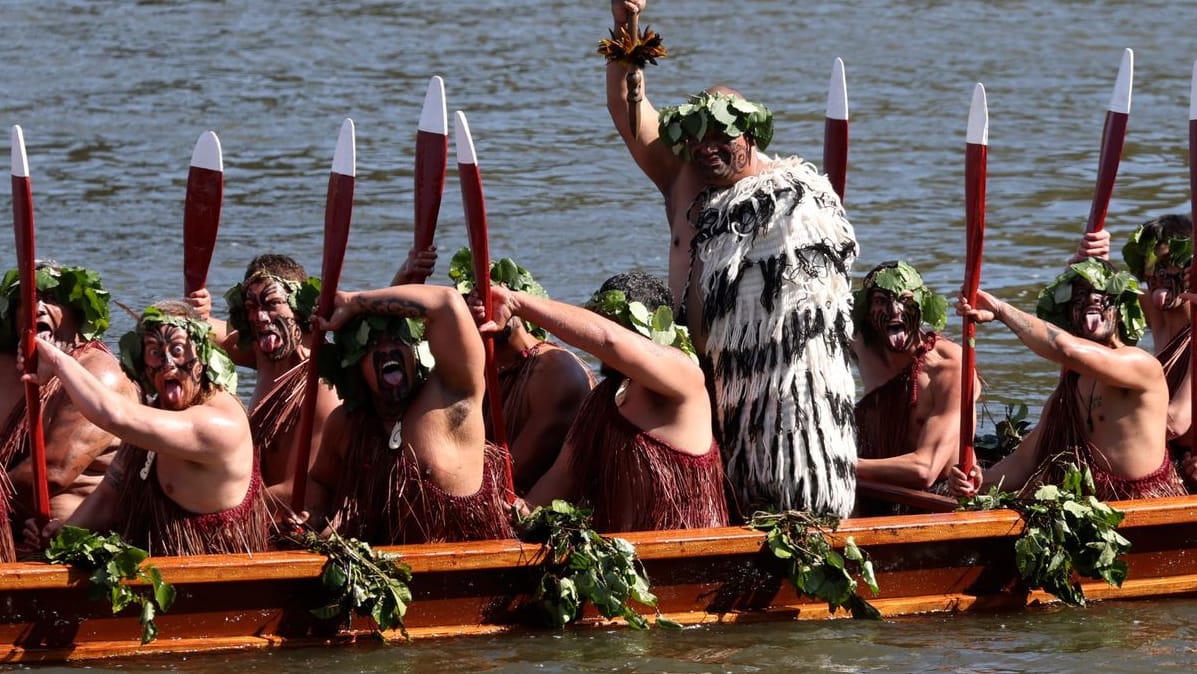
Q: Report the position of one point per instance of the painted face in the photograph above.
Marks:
(389, 368)
(275, 328)
(54, 321)
(720, 160)
(172, 366)
(1092, 314)
(894, 319)
(1166, 282)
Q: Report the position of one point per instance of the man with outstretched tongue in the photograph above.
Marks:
(1109, 413)
(908, 420)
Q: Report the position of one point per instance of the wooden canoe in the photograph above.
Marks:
(944, 562)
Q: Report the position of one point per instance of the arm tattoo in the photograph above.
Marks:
(1019, 323)
(391, 306)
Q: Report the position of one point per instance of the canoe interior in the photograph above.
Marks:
(924, 563)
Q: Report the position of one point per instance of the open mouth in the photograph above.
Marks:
(897, 335)
(45, 330)
(1093, 318)
(269, 340)
(391, 374)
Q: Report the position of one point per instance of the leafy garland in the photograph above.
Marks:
(361, 581)
(218, 367)
(1067, 530)
(503, 271)
(75, 287)
(1121, 286)
(633, 50)
(337, 362)
(112, 561)
(1006, 435)
(897, 278)
(656, 325)
(301, 297)
(812, 566)
(726, 114)
(1139, 253)
(580, 565)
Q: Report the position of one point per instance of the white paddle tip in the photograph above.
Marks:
(345, 156)
(207, 154)
(433, 116)
(978, 117)
(837, 92)
(20, 162)
(465, 143)
(1120, 100)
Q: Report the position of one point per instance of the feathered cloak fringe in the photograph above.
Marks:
(635, 481)
(1064, 440)
(382, 497)
(777, 251)
(152, 520)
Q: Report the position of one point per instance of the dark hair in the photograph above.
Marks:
(1170, 226)
(281, 266)
(638, 286)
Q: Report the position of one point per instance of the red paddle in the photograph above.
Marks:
(475, 212)
(337, 211)
(835, 130)
(975, 165)
(1113, 135)
(432, 159)
(1193, 214)
(201, 212)
(22, 219)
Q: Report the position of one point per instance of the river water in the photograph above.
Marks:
(112, 96)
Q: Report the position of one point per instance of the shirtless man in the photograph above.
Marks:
(908, 421)
(185, 480)
(269, 314)
(72, 313)
(759, 269)
(1108, 413)
(404, 459)
(640, 451)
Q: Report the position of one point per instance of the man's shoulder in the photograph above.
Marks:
(102, 364)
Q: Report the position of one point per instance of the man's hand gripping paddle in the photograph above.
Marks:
(337, 211)
(22, 218)
(975, 167)
(475, 212)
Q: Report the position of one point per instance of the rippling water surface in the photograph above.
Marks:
(112, 96)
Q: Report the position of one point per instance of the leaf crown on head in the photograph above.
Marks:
(727, 114)
(77, 288)
(1140, 256)
(503, 271)
(656, 325)
(219, 370)
(1120, 286)
(301, 297)
(338, 361)
(899, 277)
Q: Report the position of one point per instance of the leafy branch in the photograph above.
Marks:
(1068, 533)
(111, 562)
(361, 580)
(580, 565)
(813, 567)
(1006, 435)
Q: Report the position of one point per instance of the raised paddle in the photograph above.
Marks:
(835, 130)
(22, 219)
(475, 212)
(201, 211)
(432, 158)
(634, 78)
(1193, 214)
(1113, 136)
(975, 159)
(337, 211)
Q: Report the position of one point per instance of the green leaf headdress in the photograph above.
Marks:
(1119, 285)
(338, 361)
(1140, 257)
(503, 271)
(77, 288)
(730, 115)
(219, 370)
(301, 297)
(656, 325)
(899, 277)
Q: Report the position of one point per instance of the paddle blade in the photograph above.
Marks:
(22, 211)
(975, 173)
(432, 159)
(201, 211)
(1113, 137)
(835, 130)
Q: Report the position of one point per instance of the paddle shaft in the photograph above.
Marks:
(835, 153)
(337, 211)
(634, 79)
(432, 153)
(22, 209)
(1113, 136)
(975, 160)
(201, 219)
